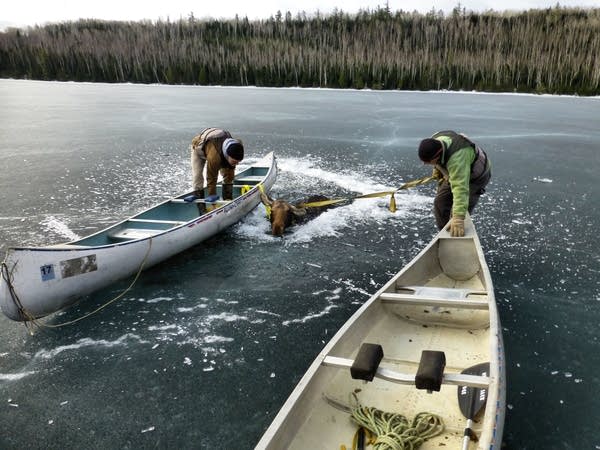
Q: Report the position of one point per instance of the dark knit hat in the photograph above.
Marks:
(234, 149)
(429, 149)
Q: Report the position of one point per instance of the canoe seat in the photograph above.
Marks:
(437, 296)
(129, 234)
(249, 179)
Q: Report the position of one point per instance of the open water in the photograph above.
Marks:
(206, 347)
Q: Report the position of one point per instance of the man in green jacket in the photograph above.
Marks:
(463, 170)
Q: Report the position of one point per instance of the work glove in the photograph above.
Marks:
(212, 198)
(456, 226)
(191, 198)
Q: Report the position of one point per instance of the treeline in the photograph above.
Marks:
(544, 51)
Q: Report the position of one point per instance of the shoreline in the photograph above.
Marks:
(299, 88)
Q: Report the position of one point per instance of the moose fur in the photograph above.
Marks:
(285, 214)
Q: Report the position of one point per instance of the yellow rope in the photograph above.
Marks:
(407, 185)
(267, 207)
(30, 318)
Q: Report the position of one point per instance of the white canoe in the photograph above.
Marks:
(37, 281)
(442, 301)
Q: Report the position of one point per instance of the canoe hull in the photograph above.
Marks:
(463, 323)
(47, 279)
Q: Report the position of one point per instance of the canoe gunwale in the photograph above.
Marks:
(72, 245)
(43, 280)
(329, 376)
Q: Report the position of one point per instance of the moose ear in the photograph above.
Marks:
(298, 212)
(265, 199)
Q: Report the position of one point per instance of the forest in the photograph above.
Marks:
(552, 50)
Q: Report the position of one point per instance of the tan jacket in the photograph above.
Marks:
(206, 150)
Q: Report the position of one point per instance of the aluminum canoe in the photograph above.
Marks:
(441, 301)
(37, 281)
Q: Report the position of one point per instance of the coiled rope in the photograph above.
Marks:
(393, 431)
(31, 321)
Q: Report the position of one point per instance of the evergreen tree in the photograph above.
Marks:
(545, 51)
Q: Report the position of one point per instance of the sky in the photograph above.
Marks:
(22, 13)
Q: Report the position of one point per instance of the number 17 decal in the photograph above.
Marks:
(47, 272)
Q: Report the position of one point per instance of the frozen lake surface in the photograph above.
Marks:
(208, 345)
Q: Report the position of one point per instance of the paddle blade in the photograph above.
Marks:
(472, 400)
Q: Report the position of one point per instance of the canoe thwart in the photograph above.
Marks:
(431, 370)
(367, 361)
(454, 379)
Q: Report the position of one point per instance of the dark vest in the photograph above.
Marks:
(459, 141)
